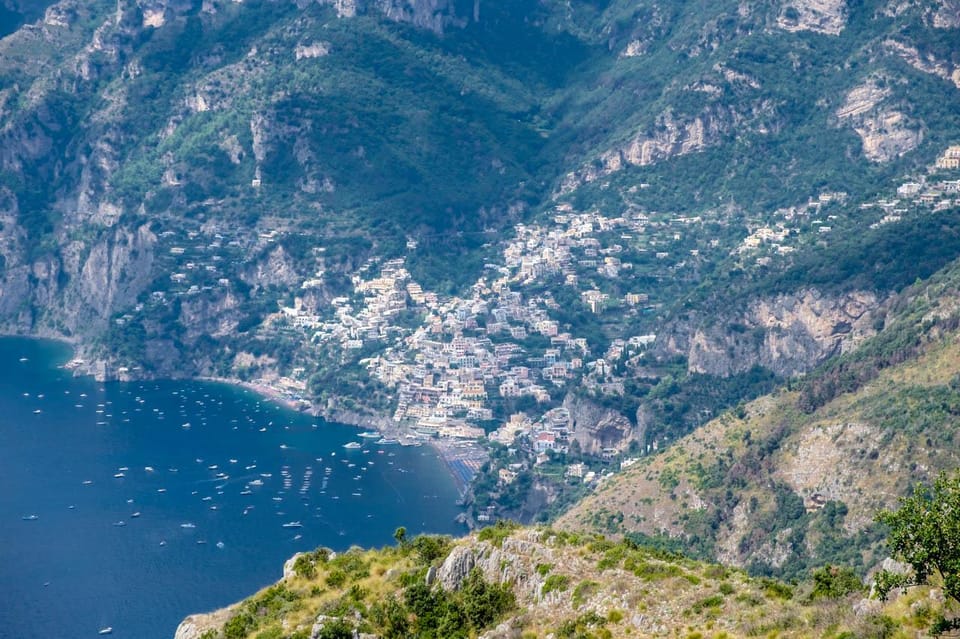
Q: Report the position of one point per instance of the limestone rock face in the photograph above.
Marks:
(514, 563)
(925, 63)
(886, 132)
(456, 567)
(947, 15)
(786, 334)
(277, 268)
(217, 316)
(596, 427)
(194, 626)
(821, 16)
(117, 268)
(435, 15)
(672, 135)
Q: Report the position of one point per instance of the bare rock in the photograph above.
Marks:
(821, 16)
(886, 132)
(787, 334)
(456, 567)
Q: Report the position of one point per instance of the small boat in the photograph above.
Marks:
(119, 475)
(220, 545)
(387, 441)
(120, 524)
(136, 514)
(370, 434)
(30, 517)
(106, 631)
(293, 524)
(352, 445)
(188, 525)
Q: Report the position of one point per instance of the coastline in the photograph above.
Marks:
(267, 392)
(461, 458)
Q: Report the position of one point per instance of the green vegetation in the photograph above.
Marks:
(925, 533)
(834, 582)
(555, 583)
(497, 533)
(386, 593)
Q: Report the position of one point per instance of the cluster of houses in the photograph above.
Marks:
(447, 369)
(926, 193)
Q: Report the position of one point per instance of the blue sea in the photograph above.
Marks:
(132, 505)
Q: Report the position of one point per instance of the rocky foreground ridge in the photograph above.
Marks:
(545, 583)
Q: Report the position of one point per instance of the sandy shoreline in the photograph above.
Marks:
(267, 392)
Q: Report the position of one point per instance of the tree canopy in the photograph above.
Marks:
(925, 533)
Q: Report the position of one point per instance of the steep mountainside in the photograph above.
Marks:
(438, 216)
(792, 480)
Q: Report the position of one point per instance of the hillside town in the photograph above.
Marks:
(496, 363)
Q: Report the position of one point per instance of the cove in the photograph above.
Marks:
(132, 505)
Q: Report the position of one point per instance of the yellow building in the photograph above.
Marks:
(950, 158)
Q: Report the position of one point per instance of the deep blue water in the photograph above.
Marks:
(74, 569)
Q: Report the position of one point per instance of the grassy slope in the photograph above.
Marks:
(791, 480)
(582, 586)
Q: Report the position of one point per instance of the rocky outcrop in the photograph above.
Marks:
(672, 135)
(824, 465)
(276, 268)
(786, 334)
(886, 132)
(435, 15)
(78, 288)
(596, 428)
(925, 63)
(515, 562)
(947, 15)
(116, 270)
(821, 16)
(216, 316)
(194, 626)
